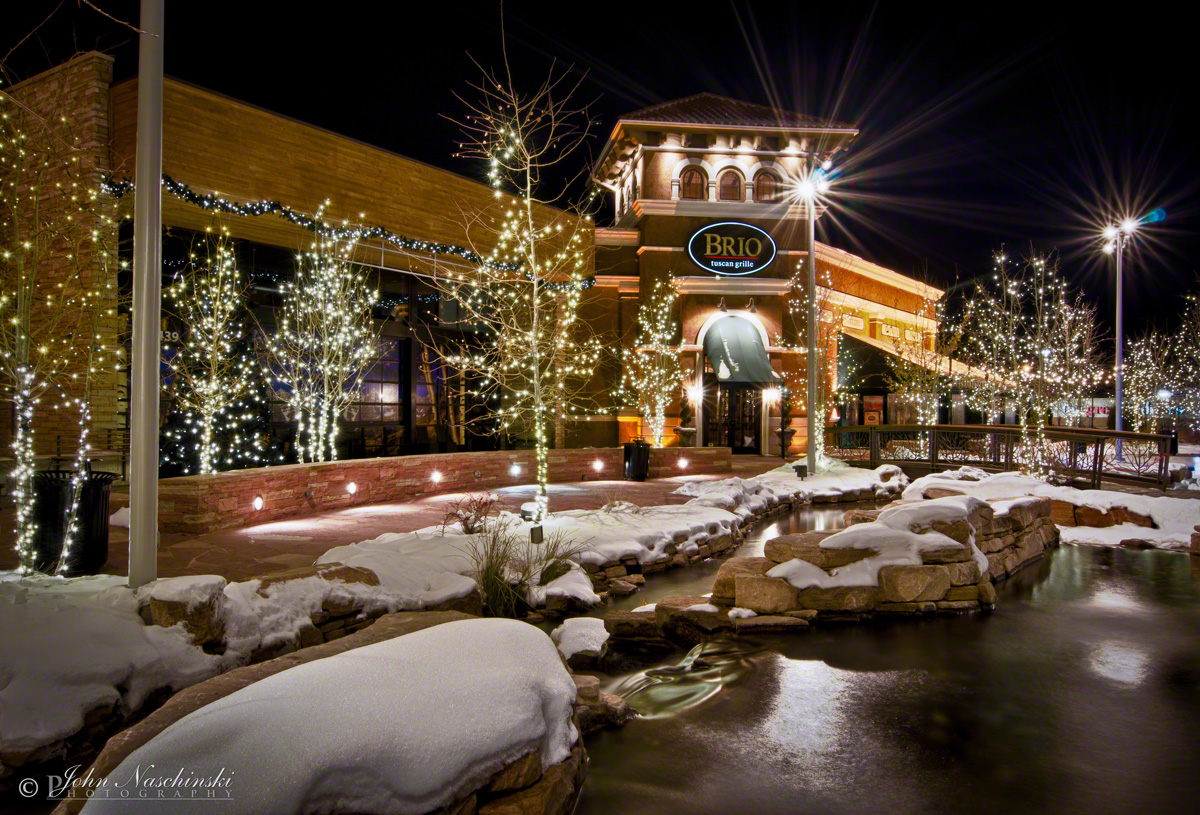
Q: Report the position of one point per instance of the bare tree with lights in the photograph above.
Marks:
(57, 273)
(1037, 346)
(210, 373)
(324, 340)
(831, 309)
(535, 359)
(1151, 370)
(652, 375)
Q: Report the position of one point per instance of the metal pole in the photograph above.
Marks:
(813, 412)
(1120, 336)
(147, 302)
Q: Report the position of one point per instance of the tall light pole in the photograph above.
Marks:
(815, 182)
(144, 377)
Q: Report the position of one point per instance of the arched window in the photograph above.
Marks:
(766, 188)
(730, 188)
(692, 185)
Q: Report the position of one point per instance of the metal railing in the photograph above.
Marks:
(1069, 452)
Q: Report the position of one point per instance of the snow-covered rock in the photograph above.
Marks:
(1174, 518)
(580, 634)
(403, 726)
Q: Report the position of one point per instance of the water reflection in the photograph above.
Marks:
(706, 669)
(1081, 693)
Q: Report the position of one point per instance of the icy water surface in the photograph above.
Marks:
(1080, 694)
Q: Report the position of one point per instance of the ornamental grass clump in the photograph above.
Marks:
(507, 565)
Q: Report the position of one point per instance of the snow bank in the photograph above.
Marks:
(71, 646)
(119, 518)
(1173, 517)
(403, 726)
(746, 496)
(580, 634)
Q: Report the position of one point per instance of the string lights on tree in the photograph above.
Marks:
(324, 340)
(652, 376)
(213, 378)
(534, 357)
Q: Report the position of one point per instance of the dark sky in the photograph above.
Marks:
(1011, 124)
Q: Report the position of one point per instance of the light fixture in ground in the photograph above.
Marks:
(514, 470)
(683, 463)
(257, 503)
(352, 488)
(436, 477)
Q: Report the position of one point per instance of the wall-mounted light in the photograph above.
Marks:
(352, 488)
(683, 463)
(514, 470)
(257, 503)
(771, 395)
(435, 477)
(597, 465)
(695, 393)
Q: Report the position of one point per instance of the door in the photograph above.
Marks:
(735, 421)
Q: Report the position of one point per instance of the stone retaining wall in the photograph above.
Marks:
(948, 581)
(202, 503)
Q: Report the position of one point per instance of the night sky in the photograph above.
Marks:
(1017, 124)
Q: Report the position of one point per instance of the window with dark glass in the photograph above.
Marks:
(380, 399)
(730, 188)
(766, 188)
(692, 185)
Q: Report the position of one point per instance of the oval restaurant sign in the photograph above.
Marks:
(730, 248)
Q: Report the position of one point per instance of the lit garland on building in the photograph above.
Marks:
(652, 376)
(314, 223)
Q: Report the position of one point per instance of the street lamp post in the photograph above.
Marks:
(814, 183)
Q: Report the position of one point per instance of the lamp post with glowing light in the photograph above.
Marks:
(1116, 236)
(814, 183)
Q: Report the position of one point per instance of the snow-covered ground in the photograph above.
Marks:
(745, 496)
(1174, 518)
(403, 726)
(47, 687)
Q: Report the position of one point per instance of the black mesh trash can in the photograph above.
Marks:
(637, 460)
(52, 502)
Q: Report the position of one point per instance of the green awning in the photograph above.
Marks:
(735, 350)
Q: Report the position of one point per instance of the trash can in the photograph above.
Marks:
(52, 501)
(637, 460)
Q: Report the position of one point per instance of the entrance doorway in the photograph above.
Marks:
(733, 418)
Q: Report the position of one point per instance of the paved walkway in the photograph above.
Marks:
(240, 554)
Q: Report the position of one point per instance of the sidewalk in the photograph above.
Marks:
(241, 554)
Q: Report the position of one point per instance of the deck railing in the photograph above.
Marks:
(1069, 452)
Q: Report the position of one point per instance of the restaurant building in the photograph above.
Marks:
(702, 190)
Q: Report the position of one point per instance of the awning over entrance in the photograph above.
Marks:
(735, 350)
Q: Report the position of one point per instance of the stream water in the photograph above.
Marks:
(1079, 694)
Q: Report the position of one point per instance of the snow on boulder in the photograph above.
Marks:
(580, 634)
(72, 646)
(403, 726)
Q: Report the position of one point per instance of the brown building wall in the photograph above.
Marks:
(78, 91)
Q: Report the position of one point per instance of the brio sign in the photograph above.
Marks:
(731, 248)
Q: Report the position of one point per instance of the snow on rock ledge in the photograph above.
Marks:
(1097, 517)
(406, 726)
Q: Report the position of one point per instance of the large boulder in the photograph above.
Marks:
(963, 574)
(765, 595)
(957, 553)
(194, 601)
(843, 598)
(1122, 515)
(679, 620)
(554, 794)
(807, 546)
(913, 584)
(1090, 516)
(723, 587)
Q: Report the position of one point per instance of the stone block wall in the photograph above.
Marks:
(201, 503)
